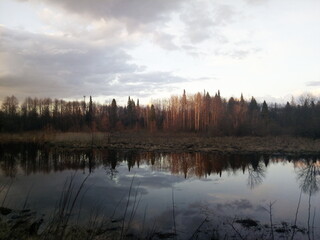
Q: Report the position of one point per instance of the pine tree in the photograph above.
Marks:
(264, 110)
(89, 115)
(113, 115)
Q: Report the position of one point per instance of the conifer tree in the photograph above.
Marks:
(113, 115)
(264, 110)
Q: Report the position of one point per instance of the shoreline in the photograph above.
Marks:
(166, 142)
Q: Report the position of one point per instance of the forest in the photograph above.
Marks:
(210, 115)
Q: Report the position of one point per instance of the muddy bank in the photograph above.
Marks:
(165, 142)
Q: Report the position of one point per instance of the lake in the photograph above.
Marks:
(192, 194)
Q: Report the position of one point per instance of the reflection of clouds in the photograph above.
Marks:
(187, 220)
(239, 204)
(163, 181)
(209, 180)
(152, 180)
(198, 213)
(261, 208)
(242, 204)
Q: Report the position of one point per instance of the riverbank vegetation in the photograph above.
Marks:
(201, 113)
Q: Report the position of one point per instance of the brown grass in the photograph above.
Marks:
(169, 142)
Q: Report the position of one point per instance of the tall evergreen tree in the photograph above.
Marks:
(89, 115)
(264, 110)
(113, 115)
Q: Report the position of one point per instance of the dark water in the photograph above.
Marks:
(217, 187)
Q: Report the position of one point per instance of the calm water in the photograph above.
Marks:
(216, 187)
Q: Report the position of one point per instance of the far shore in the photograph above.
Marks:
(169, 142)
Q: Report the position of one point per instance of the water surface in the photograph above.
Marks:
(167, 189)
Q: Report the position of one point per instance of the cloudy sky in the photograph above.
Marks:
(151, 49)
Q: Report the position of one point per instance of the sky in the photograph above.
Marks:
(152, 49)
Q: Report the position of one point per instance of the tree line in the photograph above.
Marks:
(211, 115)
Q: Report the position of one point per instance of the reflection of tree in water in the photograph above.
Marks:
(9, 161)
(9, 166)
(112, 158)
(309, 176)
(30, 159)
(256, 173)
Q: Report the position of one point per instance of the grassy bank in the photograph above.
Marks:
(169, 142)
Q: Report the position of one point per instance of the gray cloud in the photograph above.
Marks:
(40, 65)
(117, 22)
(313, 83)
(151, 78)
(165, 41)
(37, 62)
(203, 21)
(255, 2)
(237, 53)
(198, 23)
(133, 13)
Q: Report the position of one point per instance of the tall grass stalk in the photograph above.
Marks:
(61, 216)
(126, 209)
(296, 217)
(174, 216)
(6, 194)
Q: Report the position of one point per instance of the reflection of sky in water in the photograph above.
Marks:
(232, 194)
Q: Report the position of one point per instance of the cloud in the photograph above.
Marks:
(151, 78)
(200, 19)
(165, 41)
(313, 83)
(58, 67)
(255, 2)
(236, 53)
(197, 24)
(98, 31)
(134, 13)
(37, 62)
(124, 23)
(203, 20)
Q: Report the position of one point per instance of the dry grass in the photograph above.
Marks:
(56, 138)
(170, 142)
